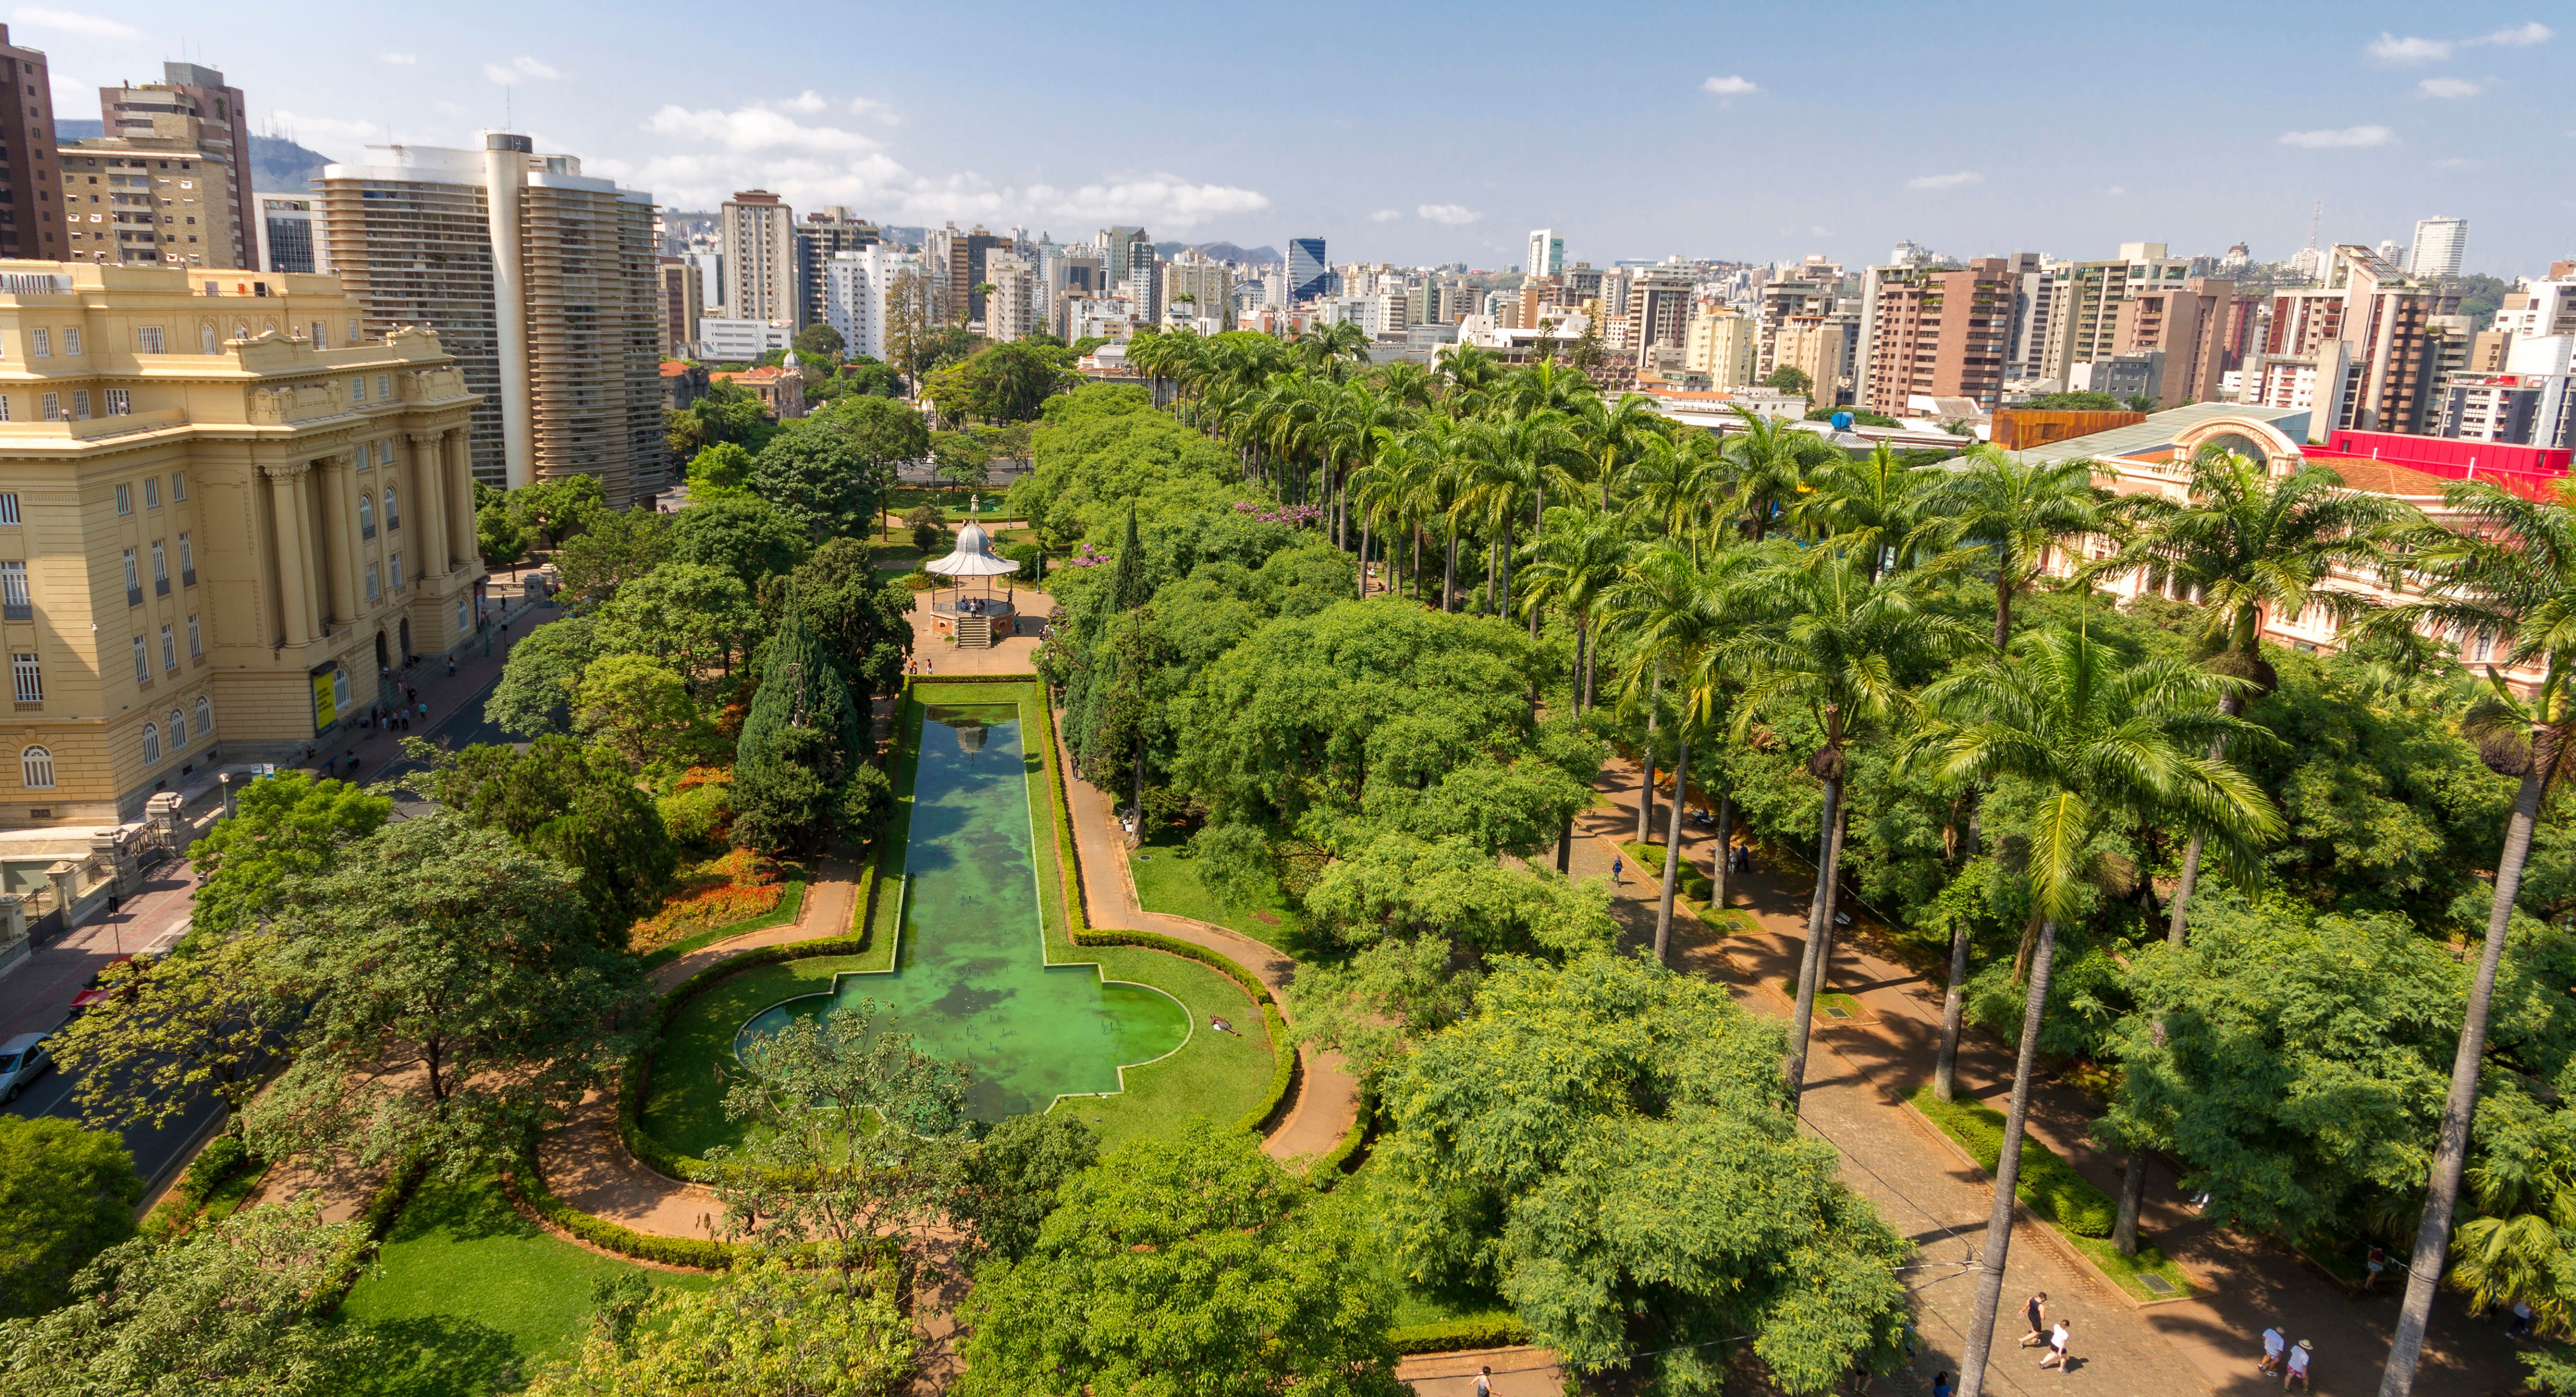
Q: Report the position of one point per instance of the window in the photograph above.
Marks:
(460, 615)
(9, 507)
(147, 339)
(30, 680)
(196, 639)
(187, 562)
(80, 405)
(15, 601)
(396, 571)
(241, 329)
(53, 407)
(40, 343)
(160, 569)
(178, 729)
(71, 339)
(321, 334)
(133, 581)
(169, 649)
(151, 492)
(208, 340)
(119, 402)
(384, 392)
(178, 485)
(142, 663)
(385, 452)
(125, 499)
(36, 765)
(393, 514)
(151, 743)
(358, 389)
(205, 716)
(4, 407)
(353, 329)
(372, 592)
(366, 517)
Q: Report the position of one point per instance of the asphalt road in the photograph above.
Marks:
(156, 1150)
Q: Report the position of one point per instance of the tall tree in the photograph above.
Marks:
(70, 1194)
(2104, 745)
(284, 826)
(2016, 510)
(803, 770)
(2507, 579)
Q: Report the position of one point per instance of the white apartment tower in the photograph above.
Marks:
(759, 233)
(2440, 243)
(1546, 252)
(858, 287)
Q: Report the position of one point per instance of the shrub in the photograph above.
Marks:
(223, 1157)
(700, 816)
(1453, 1335)
(734, 887)
(2048, 1186)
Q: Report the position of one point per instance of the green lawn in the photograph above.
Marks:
(1167, 880)
(1218, 1077)
(1831, 1004)
(468, 1297)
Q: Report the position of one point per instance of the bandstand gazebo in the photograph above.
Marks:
(978, 618)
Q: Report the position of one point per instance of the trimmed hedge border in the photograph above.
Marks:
(2048, 1185)
(1453, 1335)
(1341, 1159)
(384, 1206)
(791, 904)
(696, 1253)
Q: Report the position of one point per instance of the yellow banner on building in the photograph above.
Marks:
(325, 711)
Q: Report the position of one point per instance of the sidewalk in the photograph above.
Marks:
(1861, 1073)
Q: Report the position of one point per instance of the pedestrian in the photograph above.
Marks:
(1485, 1382)
(2035, 1309)
(451, 666)
(2298, 1368)
(2056, 1348)
(1941, 1386)
(2521, 1320)
(2273, 1342)
(2374, 1263)
(112, 901)
(1618, 866)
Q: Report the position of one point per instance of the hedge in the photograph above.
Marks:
(1452, 1335)
(2048, 1186)
(699, 1253)
(1343, 1157)
(374, 1221)
(1648, 859)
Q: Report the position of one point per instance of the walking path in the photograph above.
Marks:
(1860, 1074)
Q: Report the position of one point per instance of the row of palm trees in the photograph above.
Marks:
(1735, 582)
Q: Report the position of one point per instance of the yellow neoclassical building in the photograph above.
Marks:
(223, 517)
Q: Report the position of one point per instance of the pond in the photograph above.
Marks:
(971, 982)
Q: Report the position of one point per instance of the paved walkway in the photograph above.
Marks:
(1863, 1070)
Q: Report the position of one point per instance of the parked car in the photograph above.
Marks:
(98, 991)
(21, 1058)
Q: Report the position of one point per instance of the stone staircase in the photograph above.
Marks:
(976, 631)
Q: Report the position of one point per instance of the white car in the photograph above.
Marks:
(21, 1058)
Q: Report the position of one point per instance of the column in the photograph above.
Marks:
(461, 548)
(285, 481)
(316, 577)
(339, 537)
(428, 496)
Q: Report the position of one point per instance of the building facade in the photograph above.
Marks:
(31, 224)
(1308, 272)
(1011, 308)
(759, 251)
(2440, 244)
(290, 233)
(1937, 332)
(540, 280)
(1720, 343)
(858, 290)
(1546, 252)
(822, 236)
(680, 298)
(1199, 286)
(198, 92)
(152, 197)
(215, 533)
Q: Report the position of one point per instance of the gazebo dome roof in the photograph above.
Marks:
(973, 556)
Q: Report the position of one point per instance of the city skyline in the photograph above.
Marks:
(1753, 146)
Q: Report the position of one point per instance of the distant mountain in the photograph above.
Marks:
(1222, 252)
(277, 165)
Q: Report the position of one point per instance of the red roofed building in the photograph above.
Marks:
(781, 388)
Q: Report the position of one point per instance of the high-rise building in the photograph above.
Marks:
(2189, 325)
(238, 573)
(194, 90)
(540, 280)
(1546, 252)
(155, 197)
(1659, 309)
(1936, 332)
(2440, 243)
(2365, 351)
(819, 238)
(1308, 272)
(30, 225)
(956, 265)
(1826, 348)
(2084, 306)
(758, 232)
(679, 302)
(859, 291)
(1719, 343)
(1208, 285)
(1071, 270)
(290, 233)
(1011, 307)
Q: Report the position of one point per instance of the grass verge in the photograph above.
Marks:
(1167, 881)
(2055, 1194)
(467, 1296)
(1832, 1004)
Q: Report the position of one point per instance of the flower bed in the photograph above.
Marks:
(736, 887)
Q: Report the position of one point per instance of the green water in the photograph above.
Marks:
(971, 983)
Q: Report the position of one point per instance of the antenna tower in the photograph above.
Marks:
(2316, 220)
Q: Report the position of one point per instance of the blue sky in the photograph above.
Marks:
(1418, 133)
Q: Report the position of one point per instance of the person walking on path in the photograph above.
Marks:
(2056, 1348)
(2035, 1309)
(1485, 1382)
(2273, 1342)
(2298, 1368)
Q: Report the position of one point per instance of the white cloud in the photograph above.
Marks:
(327, 131)
(809, 102)
(2521, 36)
(517, 70)
(2345, 138)
(72, 22)
(1954, 181)
(1731, 86)
(1820, 230)
(1386, 215)
(2116, 189)
(2450, 87)
(404, 59)
(1452, 214)
(869, 106)
(2388, 48)
(2457, 162)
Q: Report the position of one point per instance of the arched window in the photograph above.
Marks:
(210, 341)
(366, 516)
(178, 729)
(241, 329)
(36, 769)
(151, 743)
(393, 514)
(205, 716)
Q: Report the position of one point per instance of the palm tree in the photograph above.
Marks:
(1767, 461)
(2105, 745)
(1613, 435)
(2018, 509)
(1574, 564)
(2508, 578)
(1674, 613)
(1873, 505)
(1828, 640)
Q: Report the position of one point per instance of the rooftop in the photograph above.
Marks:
(2162, 429)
